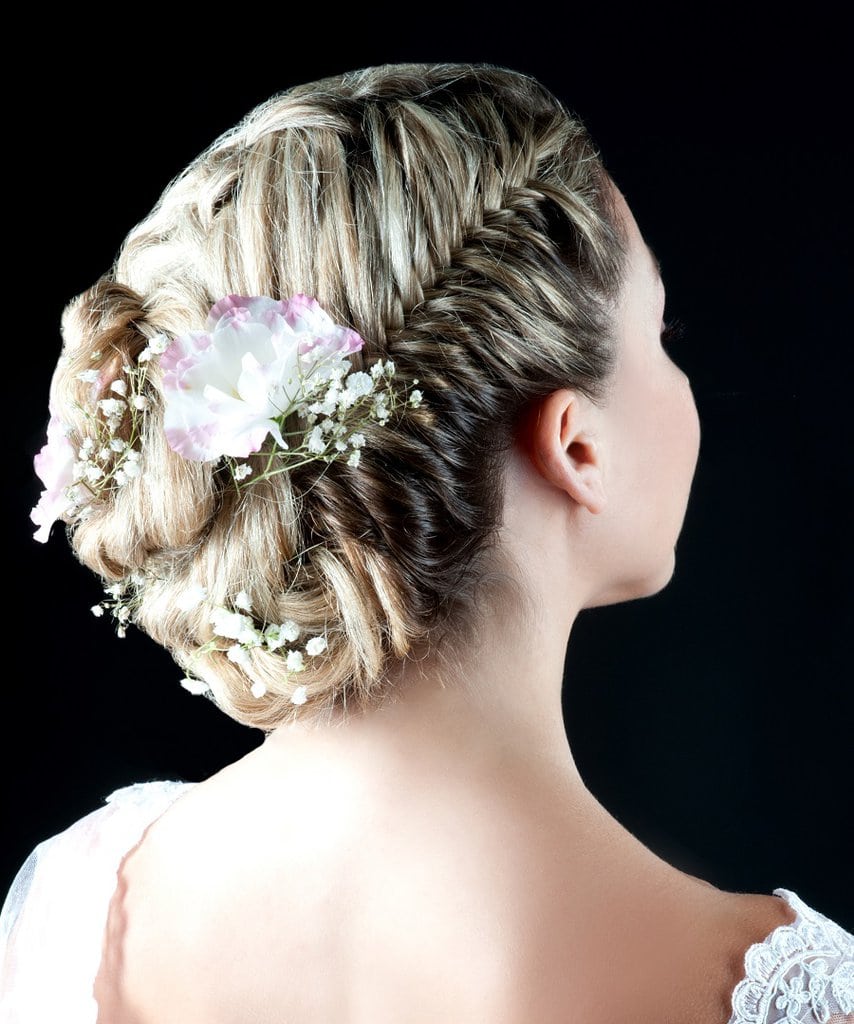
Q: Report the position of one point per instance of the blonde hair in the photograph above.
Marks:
(459, 218)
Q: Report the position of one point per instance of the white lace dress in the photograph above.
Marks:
(802, 973)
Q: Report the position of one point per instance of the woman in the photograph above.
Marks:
(369, 408)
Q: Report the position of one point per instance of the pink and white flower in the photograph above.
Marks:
(54, 465)
(227, 388)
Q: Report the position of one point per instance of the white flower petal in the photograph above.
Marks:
(55, 465)
(225, 389)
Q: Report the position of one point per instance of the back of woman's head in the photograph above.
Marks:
(458, 218)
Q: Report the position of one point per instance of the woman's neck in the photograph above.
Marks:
(494, 710)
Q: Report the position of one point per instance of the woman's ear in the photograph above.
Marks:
(562, 449)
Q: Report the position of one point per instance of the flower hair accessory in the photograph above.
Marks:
(260, 366)
(226, 389)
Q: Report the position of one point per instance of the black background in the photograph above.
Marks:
(715, 719)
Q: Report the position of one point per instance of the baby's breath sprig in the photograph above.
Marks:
(225, 391)
(335, 410)
(237, 634)
(120, 602)
(105, 460)
(76, 479)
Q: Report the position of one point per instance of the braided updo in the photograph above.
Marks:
(459, 219)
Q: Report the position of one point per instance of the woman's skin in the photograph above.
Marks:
(440, 859)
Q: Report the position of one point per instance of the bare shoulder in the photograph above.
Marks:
(649, 959)
(734, 922)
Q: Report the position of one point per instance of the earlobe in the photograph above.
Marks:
(562, 451)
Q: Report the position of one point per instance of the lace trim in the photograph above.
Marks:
(803, 973)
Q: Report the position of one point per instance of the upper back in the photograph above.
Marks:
(332, 904)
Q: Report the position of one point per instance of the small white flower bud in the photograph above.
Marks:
(316, 444)
(300, 695)
(359, 384)
(239, 655)
(317, 645)
(229, 624)
(112, 407)
(294, 661)
(195, 686)
(158, 344)
(289, 631)
(250, 637)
